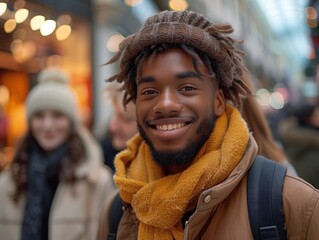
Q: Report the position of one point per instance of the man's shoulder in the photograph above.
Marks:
(298, 193)
(301, 208)
(296, 185)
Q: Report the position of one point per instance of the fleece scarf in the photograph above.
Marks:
(160, 201)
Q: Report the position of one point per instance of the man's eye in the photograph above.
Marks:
(187, 88)
(148, 92)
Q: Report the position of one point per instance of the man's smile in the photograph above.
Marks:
(169, 124)
(169, 127)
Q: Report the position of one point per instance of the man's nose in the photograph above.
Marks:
(168, 102)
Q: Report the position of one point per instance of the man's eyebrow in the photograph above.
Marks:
(190, 74)
(181, 75)
(145, 80)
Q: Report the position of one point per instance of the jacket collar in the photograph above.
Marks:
(210, 198)
(219, 192)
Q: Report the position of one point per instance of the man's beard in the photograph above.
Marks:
(186, 155)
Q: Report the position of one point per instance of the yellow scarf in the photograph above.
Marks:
(160, 201)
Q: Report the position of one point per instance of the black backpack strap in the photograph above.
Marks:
(264, 199)
(115, 216)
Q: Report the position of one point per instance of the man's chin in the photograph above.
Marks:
(182, 156)
(169, 158)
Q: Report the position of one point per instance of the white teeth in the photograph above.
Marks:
(170, 127)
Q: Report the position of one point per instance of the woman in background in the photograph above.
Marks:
(57, 180)
(259, 126)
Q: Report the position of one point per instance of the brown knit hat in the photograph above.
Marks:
(189, 28)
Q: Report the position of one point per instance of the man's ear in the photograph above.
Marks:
(219, 103)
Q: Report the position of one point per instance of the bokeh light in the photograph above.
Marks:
(48, 27)
(63, 32)
(178, 4)
(263, 97)
(10, 25)
(21, 15)
(3, 8)
(114, 41)
(36, 22)
(277, 101)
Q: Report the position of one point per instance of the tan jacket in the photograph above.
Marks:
(222, 212)
(75, 208)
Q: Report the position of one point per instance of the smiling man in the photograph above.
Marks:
(185, 175)
(177, 109)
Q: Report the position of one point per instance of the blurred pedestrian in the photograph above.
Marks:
(300, 137)
(121, 128)
(57, 181)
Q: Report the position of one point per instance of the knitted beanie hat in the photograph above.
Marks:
(52, 92)
(189, 28)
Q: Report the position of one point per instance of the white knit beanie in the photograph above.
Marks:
(52, 92)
